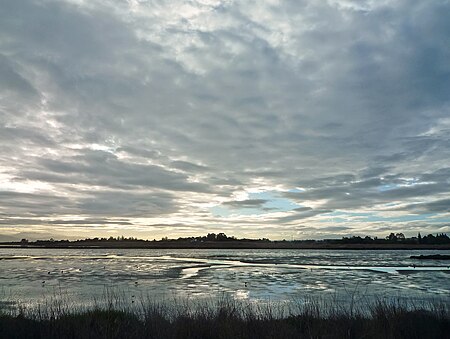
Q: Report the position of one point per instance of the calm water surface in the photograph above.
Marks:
(83, 275)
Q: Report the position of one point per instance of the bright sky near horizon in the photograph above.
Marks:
(279, 119)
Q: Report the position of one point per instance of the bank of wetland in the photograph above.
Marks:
(227, 318)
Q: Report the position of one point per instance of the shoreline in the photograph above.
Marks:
(228, 318)
(231, 245)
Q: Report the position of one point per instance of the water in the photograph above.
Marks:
(30, 276)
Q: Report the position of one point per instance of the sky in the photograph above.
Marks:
(293, 119)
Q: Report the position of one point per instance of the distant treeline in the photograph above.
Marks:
(210, 237)
(396, 238)
(393, 238)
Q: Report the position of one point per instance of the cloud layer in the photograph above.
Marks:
(275, 118)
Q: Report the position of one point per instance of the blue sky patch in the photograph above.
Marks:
(274, 203)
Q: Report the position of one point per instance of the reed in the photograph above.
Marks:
(112, 316)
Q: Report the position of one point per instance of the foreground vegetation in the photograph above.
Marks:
(229, 319)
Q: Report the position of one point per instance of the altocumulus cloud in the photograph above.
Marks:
(303, 118)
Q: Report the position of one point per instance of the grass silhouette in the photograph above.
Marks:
(227, 318)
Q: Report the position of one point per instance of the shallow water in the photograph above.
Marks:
(83, 275)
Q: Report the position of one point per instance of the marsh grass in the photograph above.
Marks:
(112, 316)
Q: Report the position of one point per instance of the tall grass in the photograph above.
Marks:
(114, 317)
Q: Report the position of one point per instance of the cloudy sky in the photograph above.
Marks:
(280, 119)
